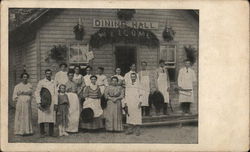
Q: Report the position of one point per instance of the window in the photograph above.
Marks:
(168, 53)
(78, 53)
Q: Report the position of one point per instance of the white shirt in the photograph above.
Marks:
(127, 77)
(186, 78)
(101, 80)
(61, 77)
(87, 79)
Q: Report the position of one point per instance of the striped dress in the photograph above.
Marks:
(92, 96)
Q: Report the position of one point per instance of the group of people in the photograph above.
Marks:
(72, 101)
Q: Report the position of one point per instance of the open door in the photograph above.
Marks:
(125, 56)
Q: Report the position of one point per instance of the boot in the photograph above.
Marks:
(165, 109)
(129, 130)
(143, 111)
(137, 131)
(51, 129)
(42, 130)
(147, 111)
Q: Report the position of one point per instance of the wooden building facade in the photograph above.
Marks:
(30, 43)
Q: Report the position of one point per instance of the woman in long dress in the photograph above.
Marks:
(113, 116)
(79, 80)
(92, 94)
(74, 104)
(121, 82)
(22, 96)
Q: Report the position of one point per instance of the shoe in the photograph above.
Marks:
(65, 134)
(137, 131)
(166, 113)
(42, 135)
(128, 132)
(53, 135)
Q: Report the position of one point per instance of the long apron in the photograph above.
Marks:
(163, 86)
(132, 100)
(23, 120)
(145, 90)
(185, 80)
(95, 105)
(74, 113)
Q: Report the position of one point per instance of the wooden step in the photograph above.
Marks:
(172, 117)
(171, 122)
(166, 120)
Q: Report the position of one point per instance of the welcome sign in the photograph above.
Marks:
(121, 24)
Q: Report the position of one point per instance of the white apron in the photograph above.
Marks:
(48, 116)
(132, 98)
(186, 78)
(163, 86)
(145, 90)
(74, 112)
(95, 105)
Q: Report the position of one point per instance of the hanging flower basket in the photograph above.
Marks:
(190, 53)
(79, 32)
(57, 53)
(168, 34)
(125, 14)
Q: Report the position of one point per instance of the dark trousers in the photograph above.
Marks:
(185, 107)
(165, 109)
(145, 110)
(51, 128)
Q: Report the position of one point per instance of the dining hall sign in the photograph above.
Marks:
(112, 31)
(106, 23)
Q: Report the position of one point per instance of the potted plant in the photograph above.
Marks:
(79, 30)
(190, 53)
(125, 14)
(168, 34)
(57, 53)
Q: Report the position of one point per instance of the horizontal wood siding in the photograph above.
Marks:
(60, 31)
(24, 55)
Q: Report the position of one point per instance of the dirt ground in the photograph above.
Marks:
(157, 134)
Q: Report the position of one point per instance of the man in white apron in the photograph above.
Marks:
(145, 88)
(186, 78)
(163, 84)
(46, 115)
(127, 77)
(133, 104)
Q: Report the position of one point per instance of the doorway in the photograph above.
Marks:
(125, 56)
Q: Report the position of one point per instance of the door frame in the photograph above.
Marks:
(137, 52)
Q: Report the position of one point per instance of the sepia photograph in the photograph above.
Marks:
(139, 76)
(92, 75)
